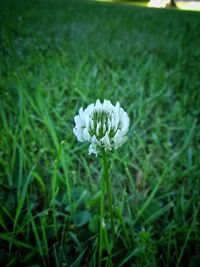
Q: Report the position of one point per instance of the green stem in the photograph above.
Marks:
(101, 220)
(103, 233)
(107, 178)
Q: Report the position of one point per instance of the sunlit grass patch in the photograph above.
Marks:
(191, 5)
(125, 2)
(182, 5)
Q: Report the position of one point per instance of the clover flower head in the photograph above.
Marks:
(103, 125)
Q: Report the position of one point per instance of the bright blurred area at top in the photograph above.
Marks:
(183, 5)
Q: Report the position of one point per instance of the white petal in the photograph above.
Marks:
(113, 122)
(95, 140)
(92, 124)
(104, 128)
(124, 123)
(81, 112)
(98, 128)
(93, 149)
(78, 134)
(86, 135)
(106, 142)
(107, 105)
(119, 139)
(117, 107)
(98, 104)
(116, 121)
(77, 120)
(116, 116)
(109, 126)
(87, 122)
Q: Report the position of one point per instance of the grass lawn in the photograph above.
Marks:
(57, 56)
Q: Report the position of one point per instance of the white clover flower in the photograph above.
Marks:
(103, 125)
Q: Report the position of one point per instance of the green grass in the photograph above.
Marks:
(57, 56)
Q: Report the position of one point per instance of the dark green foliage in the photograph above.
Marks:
(57, 56)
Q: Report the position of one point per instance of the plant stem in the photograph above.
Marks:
(101, 220)
(107, 178)
(103, 233)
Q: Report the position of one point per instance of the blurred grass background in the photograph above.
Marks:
(57, 56)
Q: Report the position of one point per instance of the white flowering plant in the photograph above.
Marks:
(104, 126)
